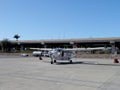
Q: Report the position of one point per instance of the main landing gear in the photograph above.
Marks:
(53, 61)
(70, 61)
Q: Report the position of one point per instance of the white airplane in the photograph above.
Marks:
(61, 54)
(65, 54)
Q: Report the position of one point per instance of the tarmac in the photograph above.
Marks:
(30, 73)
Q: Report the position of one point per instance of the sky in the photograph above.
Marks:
(59, 19)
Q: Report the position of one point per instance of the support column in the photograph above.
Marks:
(113, 48)
(44, 46)
(21, 48)
(72, 43)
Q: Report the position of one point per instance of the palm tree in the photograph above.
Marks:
(16, 36)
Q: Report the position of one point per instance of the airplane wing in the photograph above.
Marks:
(86, 49)
(42, 49)
(72, 49)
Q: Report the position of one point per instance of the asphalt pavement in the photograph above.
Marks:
(30, 73)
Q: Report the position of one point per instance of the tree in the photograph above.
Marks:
(16, 36)
(5, 45)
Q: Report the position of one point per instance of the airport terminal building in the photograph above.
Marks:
(68, 43)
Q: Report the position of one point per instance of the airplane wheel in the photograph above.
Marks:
(54, 61)
(51, 62)
(40, 58)
(70, 61)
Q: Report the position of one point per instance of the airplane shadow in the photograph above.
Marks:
(87, 63)
(67, 63)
